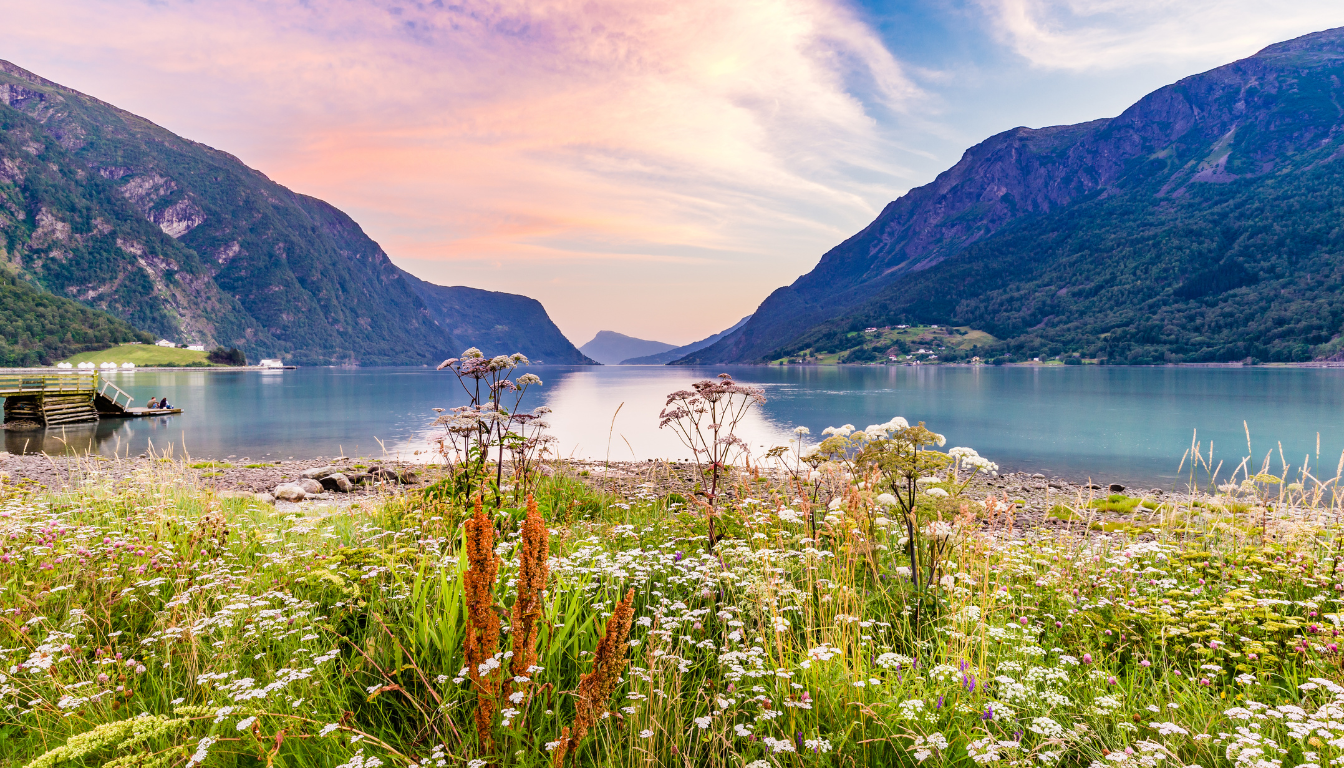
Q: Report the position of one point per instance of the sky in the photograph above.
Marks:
(653, 167)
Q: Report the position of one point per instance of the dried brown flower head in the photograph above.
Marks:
(596, 687)
(482, 639)
(533, 570)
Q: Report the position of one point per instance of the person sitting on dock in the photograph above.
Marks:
(152, 404)
(163, 403)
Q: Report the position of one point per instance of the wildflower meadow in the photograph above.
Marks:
(856, 601)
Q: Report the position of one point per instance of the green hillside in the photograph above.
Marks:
(878, 344)
(1247, 269)
(37, 328)
(143, 355)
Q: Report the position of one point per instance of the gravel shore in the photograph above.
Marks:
(231, 476)
(1033, 494)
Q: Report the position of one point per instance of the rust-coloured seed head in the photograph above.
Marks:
(596, 687)
(533, 571)
(482, 637)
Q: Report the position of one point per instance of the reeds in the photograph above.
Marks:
(596, 687)
(482, 638)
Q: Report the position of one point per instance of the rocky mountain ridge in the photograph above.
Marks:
(497, 323)
(1248, 124)
(187, 242)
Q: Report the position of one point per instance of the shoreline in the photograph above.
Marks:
(101, 372)
(1023, 364)
(1033, 493)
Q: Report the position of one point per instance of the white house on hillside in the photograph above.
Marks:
(196, 347)
(164, 343)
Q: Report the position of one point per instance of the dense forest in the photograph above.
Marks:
(1250, 269)
(37, 328)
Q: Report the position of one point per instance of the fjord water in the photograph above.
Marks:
(1113, 424)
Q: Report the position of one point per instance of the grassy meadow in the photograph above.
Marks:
(142, 355)
(152, 623)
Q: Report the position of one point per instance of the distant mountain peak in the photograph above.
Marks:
(610, 347)
(1325, 42)
(672, 355)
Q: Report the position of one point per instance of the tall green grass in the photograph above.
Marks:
(150, 621)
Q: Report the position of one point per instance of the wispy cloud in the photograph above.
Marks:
(1110, 34)
(549, 133)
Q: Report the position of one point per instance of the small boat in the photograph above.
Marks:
(132, 413)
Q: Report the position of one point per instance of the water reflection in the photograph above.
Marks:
(102, 437)
(613, 412)
(1111, 423)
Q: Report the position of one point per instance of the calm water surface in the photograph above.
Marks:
(1111, 423)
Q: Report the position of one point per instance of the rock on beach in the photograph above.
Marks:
(337, 482)
(290, 492)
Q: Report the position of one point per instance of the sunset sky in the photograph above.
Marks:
(654, 167)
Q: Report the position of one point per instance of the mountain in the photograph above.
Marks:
(37, 328)
(1195, 226)
(663, 358)
(188, 243)
(497, 323)
(610, 347)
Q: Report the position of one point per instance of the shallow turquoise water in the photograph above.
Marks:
(1129, 425)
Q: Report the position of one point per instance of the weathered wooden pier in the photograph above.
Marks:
(50, 399)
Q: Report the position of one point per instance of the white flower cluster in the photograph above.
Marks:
(884, 431)
(358, 760)
(924, 746)
(969, 459)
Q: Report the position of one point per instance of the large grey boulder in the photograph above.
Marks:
(290, 492)
(310, 486)
(317, 473)
(337, 482)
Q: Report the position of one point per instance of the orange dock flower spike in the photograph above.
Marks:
(482, 640)
(533, 570)
(596, 687)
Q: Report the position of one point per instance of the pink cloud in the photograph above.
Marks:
(680, 159)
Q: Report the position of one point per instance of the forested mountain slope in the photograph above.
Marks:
(1196, 226)
(38, 328)
(187, 242)
(497, 323)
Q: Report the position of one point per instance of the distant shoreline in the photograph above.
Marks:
(224, 368)
(52, 369)
(1313, 364)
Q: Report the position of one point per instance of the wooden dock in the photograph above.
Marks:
(51, 399)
